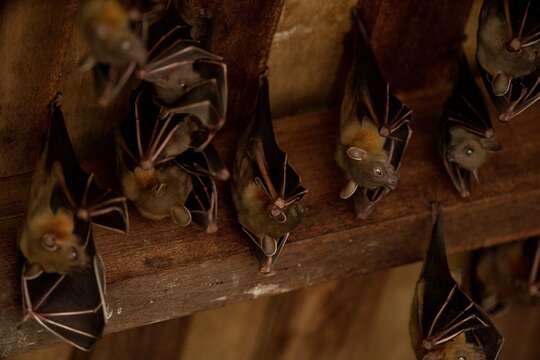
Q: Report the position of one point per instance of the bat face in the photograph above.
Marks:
(456, 349)
(468, 150)
(266, 190)
(371, 171)
(508, 53)
(106, 26)
(445, 323)
(48, 240)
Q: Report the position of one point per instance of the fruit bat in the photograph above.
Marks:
(508, 53)
(374, 129)
(445, 323)
(506, 274)
(116, 48)
(163, 170)
(266, 190)
(63, 281)
(467, 137)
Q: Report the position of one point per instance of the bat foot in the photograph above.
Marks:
(464, 193)
(266, 266)
(223, 174)
(212, 228)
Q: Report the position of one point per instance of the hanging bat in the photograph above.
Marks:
(266, 190)
(374, 129)
(467, 137)
(161, 180)
(63, 284)
(445, 323)
(505, 274)
(115, 47)
(508, 53)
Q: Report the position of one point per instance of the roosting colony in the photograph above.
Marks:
(167, 166)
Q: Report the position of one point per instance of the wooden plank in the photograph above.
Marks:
(416, 42)
(160, 272)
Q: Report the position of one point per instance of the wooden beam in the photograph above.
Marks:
(160, 271)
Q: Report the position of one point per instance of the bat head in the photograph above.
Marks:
(371, 170)
(456, 349)
(158, 193)
(468, 150)
(106, 27)
(49, 241)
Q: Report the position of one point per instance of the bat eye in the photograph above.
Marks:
(48, 241)
(469, 151)
(73, 255)
(378, 171)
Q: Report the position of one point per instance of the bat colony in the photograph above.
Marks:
(167, 166)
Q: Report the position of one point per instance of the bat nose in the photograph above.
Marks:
(392, 182)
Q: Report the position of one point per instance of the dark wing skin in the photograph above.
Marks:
(78, 189)
(282, 179)
(70, 306)
(203, 199)
(374, 98)
(442, 311)
(465, 108)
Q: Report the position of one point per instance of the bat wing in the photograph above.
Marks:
(371, 92)
(446, 311)
(282, 177)
(59, 150)
(203, 101)
(106, 208)
(71, 306)
(202, 202)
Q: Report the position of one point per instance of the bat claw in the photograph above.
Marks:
(266, 266)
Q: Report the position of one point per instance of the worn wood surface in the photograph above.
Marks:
(159, 271)
(341, 320)
(417, 42)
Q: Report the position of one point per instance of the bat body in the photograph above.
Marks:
(63, 285)
(374, 129)
(506, 274)
(162, 175)
(445, 323)
(467, 136)
(508, 53)
(266, 190)
(116, 48)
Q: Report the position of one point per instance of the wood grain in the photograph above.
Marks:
(160, 272)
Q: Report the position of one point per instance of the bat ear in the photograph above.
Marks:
(501, 84)
(490, 144)
(355, 153)
(181, 215)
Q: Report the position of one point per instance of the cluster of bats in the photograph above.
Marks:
(167, 166)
